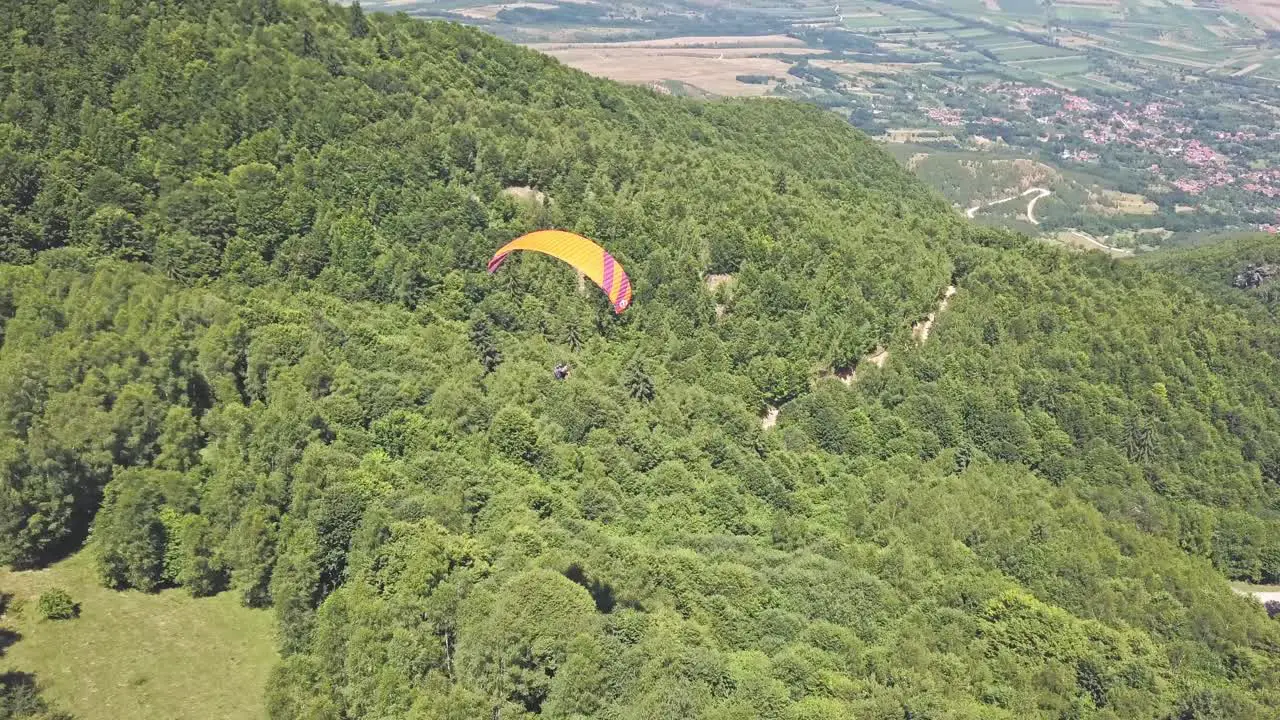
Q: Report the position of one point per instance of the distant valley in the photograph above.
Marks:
(1152, 124)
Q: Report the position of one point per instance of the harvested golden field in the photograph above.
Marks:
(640, 66)
(711, 64)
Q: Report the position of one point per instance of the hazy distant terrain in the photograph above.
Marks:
(1149, 121)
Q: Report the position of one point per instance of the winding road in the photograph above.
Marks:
(1031, 206)
(1041, 193)
(1094, 242)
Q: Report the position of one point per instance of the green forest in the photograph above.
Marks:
(248, 344)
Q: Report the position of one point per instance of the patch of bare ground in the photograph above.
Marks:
(526, 195)
(711, 71)
(920, 331)
(879, 358)
(714, 281)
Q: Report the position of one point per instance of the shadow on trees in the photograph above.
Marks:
(19, 695)
(601, 592)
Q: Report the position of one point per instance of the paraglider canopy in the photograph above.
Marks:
(589, 258)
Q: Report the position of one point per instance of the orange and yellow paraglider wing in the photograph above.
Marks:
(588, 257)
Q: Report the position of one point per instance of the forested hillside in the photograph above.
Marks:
(249, 345)
(1243, 270)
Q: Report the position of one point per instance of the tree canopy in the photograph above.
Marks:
(249, 344)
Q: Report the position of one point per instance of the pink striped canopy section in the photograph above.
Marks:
(586, 256)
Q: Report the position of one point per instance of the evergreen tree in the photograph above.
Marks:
(485, 346)
(639, 384)
(358, 24)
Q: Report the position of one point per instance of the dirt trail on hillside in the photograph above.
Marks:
(920, 331)
(879, 357)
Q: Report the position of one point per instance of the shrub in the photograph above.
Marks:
(56, 604)
(14, 606)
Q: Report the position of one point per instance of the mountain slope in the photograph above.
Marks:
(1242, 270)
(249, 344)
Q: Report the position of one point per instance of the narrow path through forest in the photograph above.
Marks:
(878, 357)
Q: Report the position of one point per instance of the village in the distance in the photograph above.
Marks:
(1123, 125)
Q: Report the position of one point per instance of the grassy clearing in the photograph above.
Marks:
(869, 22)
(1250, 587)
(1064, 69)
(1030, 52)
(133, 655)
(1068, 13)
(1022, 7)
(972, 33)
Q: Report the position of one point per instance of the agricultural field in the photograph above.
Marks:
(711, 65)
(1154, 114)
(1266, 13)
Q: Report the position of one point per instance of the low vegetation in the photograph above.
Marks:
(56, 604)
(150, 656)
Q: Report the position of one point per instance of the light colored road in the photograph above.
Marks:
(1031, 206)
(1040, 193)
(1094, 242)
